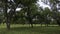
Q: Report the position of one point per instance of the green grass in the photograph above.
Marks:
(25, 29)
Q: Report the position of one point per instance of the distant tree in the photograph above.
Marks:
(47, 16)
(13, 5)
(55, 11)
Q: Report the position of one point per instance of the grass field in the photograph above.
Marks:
(25, 29)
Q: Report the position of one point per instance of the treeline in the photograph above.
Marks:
(30, 13)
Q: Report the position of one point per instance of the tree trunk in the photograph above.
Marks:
(58, 22)
(8, 26)
(41, 25)
(29, 17)
(8, 23)
(47, 25)
(31, 25)
(6, 16)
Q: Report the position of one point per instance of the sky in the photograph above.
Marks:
(41, 4)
